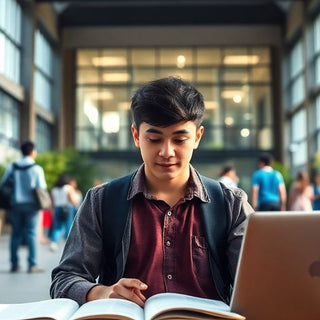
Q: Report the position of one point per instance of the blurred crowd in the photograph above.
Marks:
(269, 192)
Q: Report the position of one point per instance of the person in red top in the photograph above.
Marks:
(167, 243)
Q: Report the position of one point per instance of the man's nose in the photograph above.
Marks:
(166, 150)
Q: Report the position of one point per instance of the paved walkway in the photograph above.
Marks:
(23, 286)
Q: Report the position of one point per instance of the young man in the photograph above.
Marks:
(268, 188)
(164, 244)
(24, 213)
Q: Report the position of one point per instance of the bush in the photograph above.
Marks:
(316, 163)
(2, 170)
(69, 162)
(284, 170)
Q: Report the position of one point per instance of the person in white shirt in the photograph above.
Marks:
(228, 177)
(64, 198)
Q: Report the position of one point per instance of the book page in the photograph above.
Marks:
(188, 315)
(53, 309)
(160, 303)
(109, 309)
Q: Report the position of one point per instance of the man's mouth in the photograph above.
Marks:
(166, 165)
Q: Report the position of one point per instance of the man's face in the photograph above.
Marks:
(33, 154)
(167, 151)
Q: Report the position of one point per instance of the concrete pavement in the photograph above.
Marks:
(23, 286)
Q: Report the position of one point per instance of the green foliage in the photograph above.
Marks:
(53, 164)
(284, 170)
(69, 162)
(316, 163)
(2, 170)
(4, 165)
(81, 168)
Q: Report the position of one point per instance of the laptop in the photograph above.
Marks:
(278, 274)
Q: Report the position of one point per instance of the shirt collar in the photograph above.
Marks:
(25, 160)
(195, 186)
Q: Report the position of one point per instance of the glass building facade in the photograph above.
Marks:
(236, 84)
(301, 94)
(64, 84)
(10, 60)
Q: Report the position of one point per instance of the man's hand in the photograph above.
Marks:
(125, 288)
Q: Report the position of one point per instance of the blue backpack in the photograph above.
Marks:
(7, 187)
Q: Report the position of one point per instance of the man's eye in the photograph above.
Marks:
(154, 140)
(179, 141)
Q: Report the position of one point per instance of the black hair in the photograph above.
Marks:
(167, 101)
(27, 147)
(225, 170)
(266, 159)
(62, 180)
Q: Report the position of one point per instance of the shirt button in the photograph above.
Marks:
(169, 213)
(168, 243)
(169, 276)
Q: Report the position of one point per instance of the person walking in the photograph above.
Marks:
(268, 188)
(301, 193)
(24, 212)
(64, 199)
(78, 197)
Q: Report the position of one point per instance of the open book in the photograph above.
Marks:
(158, 307)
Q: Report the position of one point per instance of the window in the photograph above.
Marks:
(318, 124)
(295, 97)
(314, 128)
(9, 120)
(43, 76)
(236, 84)
(298, 144)
(313, 46)
(316, 38)
(10, 39)
(296, 78)
(313, 54)
(43, 135)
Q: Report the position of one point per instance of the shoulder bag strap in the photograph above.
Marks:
(115, 211)
(15, 166)
(215, 227)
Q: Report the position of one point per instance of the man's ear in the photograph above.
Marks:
(135, 135)
(199, 134)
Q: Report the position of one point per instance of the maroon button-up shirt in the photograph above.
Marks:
(168, 250)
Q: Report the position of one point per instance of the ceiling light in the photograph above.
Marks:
(181, 61)
(109, 61)
(230, 94)
(237, 98)
(99, 95)
(241, 59)
(245, 132)
(116, 77)
(229, 121)
(110, 122)
(210, 105)
(124, 105)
